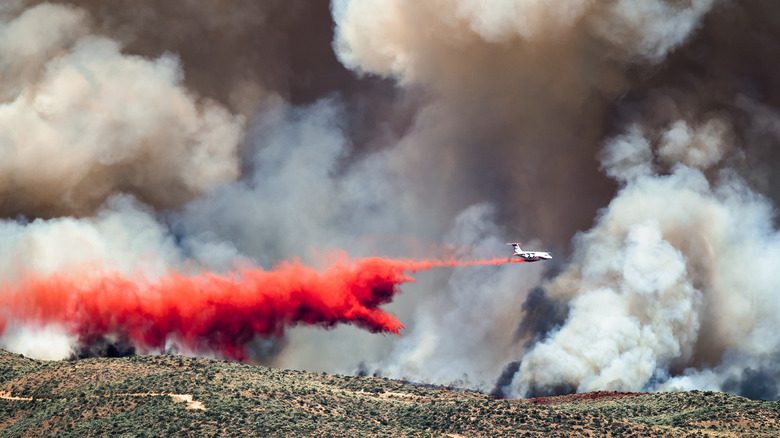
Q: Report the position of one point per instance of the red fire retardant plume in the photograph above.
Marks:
(220, 313)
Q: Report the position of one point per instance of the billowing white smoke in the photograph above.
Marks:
(401, 38)
(80, 121)
(300, 194)
(452, 341)
(647, 29)
(678, 273)
(47, 342)
(123, 237)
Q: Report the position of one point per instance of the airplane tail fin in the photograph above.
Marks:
(515, 245)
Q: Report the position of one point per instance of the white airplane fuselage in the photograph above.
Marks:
(529, 256)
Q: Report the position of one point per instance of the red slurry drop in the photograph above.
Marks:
(216, 312)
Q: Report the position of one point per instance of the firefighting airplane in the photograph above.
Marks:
(529, 256)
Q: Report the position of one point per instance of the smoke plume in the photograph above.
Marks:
(154, 148)
(83, 120)
(650, 285)
(519, 91)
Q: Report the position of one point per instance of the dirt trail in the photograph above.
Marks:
(178, 398)
(5, 395)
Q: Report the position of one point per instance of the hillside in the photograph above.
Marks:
(163, 395)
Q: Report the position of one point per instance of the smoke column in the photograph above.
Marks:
(677, 104)
(636, 140)
(210, 312)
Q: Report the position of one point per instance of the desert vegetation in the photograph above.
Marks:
(164, 395)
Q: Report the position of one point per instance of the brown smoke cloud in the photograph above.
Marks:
(232, 51)
(646, 308)
(650, 128)
(519, 97)
(245, 53)
(193, 67)
(82, 120)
